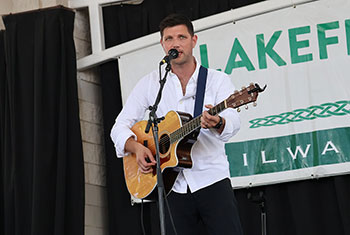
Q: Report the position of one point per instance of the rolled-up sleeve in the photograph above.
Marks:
(132, 112)
(120, 135)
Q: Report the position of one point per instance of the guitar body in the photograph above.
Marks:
(172, 155)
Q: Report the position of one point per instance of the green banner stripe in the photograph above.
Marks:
(289, 152)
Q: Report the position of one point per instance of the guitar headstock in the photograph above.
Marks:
(245, 96)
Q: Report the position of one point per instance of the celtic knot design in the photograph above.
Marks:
(339, 108)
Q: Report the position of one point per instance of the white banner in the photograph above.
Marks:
(302, 53)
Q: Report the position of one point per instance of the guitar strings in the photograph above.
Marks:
(181, 130)
(187, 127)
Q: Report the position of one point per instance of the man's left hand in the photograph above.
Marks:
(210, 121)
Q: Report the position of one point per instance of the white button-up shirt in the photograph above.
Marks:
(210, 163)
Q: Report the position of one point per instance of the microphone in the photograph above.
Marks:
(172, 54)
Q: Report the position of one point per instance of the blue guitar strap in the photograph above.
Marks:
(201, 82)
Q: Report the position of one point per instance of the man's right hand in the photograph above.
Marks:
(144, 157)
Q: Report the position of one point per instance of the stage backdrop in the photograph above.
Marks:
(301, 126)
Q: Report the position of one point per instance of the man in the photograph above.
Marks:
(203, 192)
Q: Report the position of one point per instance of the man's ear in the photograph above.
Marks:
(161, 42)
(194, 40)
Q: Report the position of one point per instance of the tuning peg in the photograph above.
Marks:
(238, 110)
(252, 84)
(243, 87)
(236, 91)
(254, 104)
(246, 106)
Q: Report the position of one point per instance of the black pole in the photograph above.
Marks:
(160, 183)
(263, 218)
(153, 121)
(258, 197)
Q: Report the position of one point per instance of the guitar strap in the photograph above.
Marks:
(201, 82)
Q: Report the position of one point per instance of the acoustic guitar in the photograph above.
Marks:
(177, 134)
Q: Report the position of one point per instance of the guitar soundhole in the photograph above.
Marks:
(164, 144)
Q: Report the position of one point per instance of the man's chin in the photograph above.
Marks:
(181, 61)
(178, 61)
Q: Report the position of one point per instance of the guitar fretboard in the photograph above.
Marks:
(195, 123)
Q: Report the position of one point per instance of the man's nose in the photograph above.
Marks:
(176, 44)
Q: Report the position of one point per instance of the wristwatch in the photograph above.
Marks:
(217, 126)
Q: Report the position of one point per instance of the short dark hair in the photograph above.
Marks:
(174, 20)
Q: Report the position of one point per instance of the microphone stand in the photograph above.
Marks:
(154, 120)
(260, 200)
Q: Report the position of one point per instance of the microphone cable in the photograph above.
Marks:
(170, 215)
(142, 223)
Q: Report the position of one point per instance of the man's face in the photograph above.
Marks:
(179, 38)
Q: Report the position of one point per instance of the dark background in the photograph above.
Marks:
(41, 160)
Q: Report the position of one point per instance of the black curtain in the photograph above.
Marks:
(2, 127)
(316, 207)
(42, 174)
(319, 206)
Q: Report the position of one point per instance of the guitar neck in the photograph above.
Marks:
(238, 98)
(195, 123)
